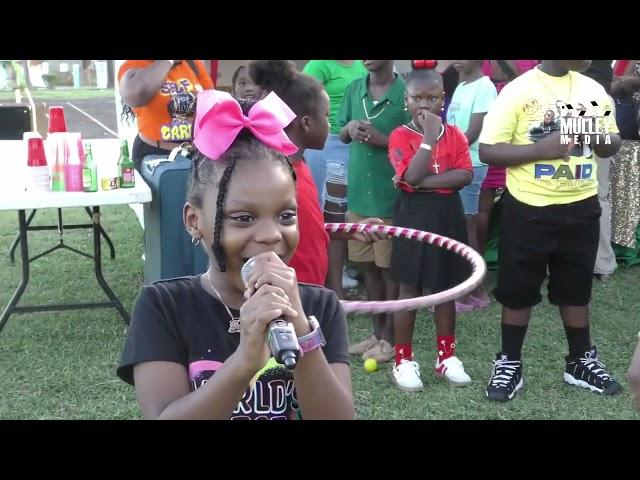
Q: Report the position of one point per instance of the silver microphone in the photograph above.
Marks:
(281, 335)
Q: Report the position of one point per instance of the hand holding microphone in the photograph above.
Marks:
(268, 280)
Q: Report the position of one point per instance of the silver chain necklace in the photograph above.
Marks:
(364, 106)
(434, 154)
(234, 322)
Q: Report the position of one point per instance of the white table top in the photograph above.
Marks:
(13, 180)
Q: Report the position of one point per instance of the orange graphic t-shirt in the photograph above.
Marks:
(156, 120)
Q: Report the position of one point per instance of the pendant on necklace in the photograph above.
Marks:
(234, 325)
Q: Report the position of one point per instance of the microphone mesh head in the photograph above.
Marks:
(247, 269)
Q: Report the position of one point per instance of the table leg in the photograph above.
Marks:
(24, 250)
(97, 260)
(16, 241)
(112, 250)
(12, 250)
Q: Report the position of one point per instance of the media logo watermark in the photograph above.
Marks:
(583, 129)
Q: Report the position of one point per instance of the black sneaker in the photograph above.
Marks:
(587, 372)
(506, 379)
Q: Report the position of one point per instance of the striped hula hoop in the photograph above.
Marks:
(479, 268)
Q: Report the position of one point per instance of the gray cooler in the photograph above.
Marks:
(168, 249)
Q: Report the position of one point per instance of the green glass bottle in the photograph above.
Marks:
(126, 167)
(89, 171)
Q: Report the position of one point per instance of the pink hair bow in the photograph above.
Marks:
(219, 120)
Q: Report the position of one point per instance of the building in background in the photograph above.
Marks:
(57, 73)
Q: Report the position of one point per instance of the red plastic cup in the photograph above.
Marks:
(35, 153)
(56, 120)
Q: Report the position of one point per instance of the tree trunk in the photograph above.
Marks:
(25, 65)
(84, 73)
(111, 74)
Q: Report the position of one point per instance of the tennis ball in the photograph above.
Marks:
(370, 365)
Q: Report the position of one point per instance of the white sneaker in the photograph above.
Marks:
(348, 282)
(453, 372)
(351, 272)
(406, 376)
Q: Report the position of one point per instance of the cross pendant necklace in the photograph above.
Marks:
(435, 165)
(434, 156)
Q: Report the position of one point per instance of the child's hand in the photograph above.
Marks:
(372, 135)
(370, 237)
(550, 148)
(267, 304)
(356, 129)
(431, 125)
(397, 182)
(273, 277)
(595, 121)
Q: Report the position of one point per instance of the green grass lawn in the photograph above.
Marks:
(61, 94)
(61, 365)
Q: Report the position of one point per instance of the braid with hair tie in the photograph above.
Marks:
(216, 248)
(195, 157)
(189, 147)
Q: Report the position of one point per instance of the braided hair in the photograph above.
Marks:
(127, 115)
(245, 148)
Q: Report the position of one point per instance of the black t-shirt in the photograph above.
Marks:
(178, 321)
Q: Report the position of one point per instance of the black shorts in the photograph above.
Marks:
(563, 238)
(422, 265)
(141, 149)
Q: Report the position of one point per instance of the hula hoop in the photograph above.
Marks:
(479, 268)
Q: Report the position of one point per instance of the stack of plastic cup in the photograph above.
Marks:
(73, 163)
(78, 140)
(25, 145)
(56, 148)
(57, 158)
(38, 172)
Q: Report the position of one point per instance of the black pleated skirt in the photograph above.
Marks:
(422, 265)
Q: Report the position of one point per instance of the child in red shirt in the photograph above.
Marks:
(308, 100)
(308, 130)
(432, 163)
